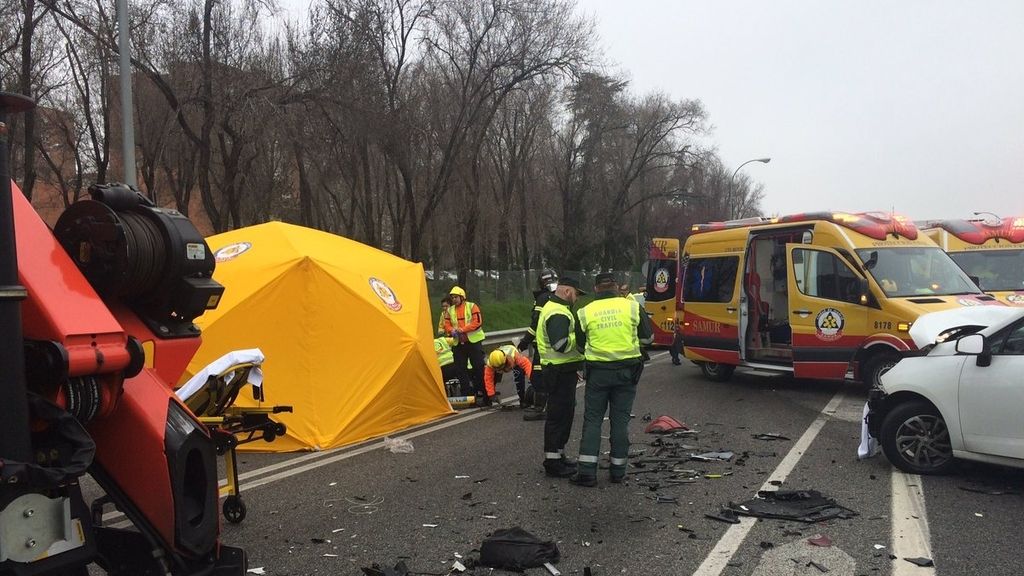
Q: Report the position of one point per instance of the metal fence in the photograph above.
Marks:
(485, 286)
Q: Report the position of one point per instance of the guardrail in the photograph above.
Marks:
(504, 336)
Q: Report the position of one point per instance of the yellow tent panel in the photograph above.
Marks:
(345, 328)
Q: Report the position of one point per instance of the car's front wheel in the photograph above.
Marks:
(916, 440)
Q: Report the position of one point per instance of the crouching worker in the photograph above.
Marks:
(507, 359)
(450, 374)
(613, 329)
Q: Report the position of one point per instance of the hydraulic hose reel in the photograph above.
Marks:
(151, 259)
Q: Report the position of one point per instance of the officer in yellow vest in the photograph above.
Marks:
(464, 323)
(557, 333)
(613, 329)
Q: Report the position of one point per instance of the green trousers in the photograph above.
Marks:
(610, 390)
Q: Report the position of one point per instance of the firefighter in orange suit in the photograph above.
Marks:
(507, 359)
(464, 323)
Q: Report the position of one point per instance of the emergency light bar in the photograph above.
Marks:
(877, 225)
(977, 232)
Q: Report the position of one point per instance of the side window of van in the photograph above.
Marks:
(710, 279)
(824, 275)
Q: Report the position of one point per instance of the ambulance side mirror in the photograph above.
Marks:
(976, 280)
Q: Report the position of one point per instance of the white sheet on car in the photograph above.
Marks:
(928, 326)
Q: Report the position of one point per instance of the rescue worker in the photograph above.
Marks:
(547, 282)
(612, 331)
(557, 333)
(507, 359)
(445, 302)
(453, 383)
(464, 323)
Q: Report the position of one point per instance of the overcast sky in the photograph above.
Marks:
(867, 105)
(861, 105)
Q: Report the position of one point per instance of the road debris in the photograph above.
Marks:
(398, 445)
(820, 568)
(922, 562)
(259, 570)
(516, 549)
(400, 569)
(820, 540)
(800, 505)
(989, 490)
(769, 436)
(663, 424)
(726, 515)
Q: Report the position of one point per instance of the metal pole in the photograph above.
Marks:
(127, 125)
(15, 442)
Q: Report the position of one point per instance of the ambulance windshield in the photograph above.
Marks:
(997, 270)
(916, 271)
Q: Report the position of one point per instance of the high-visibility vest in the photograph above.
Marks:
(610, 325)
(548, 354)
(467, 315)
(445, 356)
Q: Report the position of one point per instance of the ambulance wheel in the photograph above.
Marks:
(717, 372)
(876, 366)
(234, 509)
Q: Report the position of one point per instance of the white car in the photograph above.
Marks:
(961, 395)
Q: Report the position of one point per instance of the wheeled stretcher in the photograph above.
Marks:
(211, 395)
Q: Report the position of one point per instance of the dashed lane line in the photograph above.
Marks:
(729, 543)
(911, 537)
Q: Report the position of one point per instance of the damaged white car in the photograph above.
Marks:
(961, 395)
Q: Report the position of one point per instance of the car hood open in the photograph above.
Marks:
(928, 326)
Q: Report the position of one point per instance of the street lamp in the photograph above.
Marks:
(761, 160)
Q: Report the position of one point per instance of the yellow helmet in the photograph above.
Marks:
(456, 291)
(496, 359)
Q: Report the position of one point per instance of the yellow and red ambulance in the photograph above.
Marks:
(824, 295)
(662, 290)
(990, 251)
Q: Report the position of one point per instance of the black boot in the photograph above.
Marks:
(584, 480)
(558, 468)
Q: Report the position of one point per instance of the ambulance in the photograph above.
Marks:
(825, 295)
(662, 290)
(990, 251)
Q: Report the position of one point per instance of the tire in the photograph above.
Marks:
(916, 440)
(234, 509)
(717, 372)
(877, 365)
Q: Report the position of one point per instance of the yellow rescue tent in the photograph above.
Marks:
(345, 328)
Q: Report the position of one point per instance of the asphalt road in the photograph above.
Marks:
(332, 513)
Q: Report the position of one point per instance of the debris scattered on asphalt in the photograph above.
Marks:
(820, 540)
(647, 417)
(989, 491)
(458, 567)
(800, 505)
(461, 477)
(879, 547)
(766, 545)
(663, 424)
(769, 436)
(820, 568)
(712, 456)
(398, 445)
(516, 549)
(430, 525)
(726, 515)
(979, 514)
(319, 540)
(400, 569)
(922, 562)
(663, 499)
(259, 570)
(551, 569)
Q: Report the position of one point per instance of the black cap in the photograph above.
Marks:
(604, 278)
(571, 282)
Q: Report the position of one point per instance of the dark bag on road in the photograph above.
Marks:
(516, 549)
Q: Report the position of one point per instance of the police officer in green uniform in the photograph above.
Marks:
(613, 329)
(557, 335)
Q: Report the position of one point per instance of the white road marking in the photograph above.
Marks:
(911, 537)
(729, 543)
